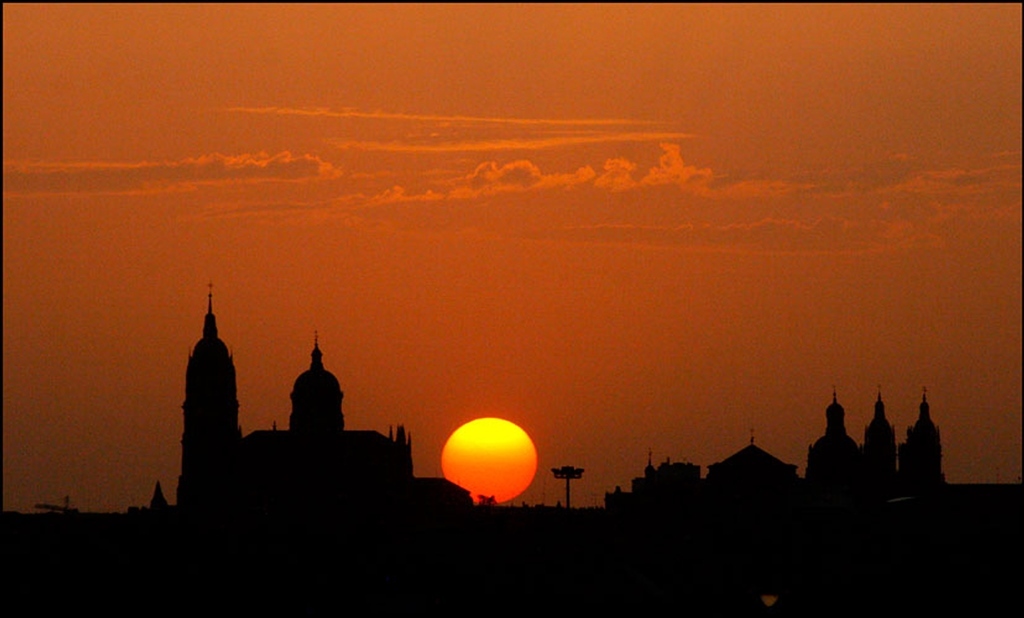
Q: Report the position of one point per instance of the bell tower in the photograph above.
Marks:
(210, 440)
(879, 449)
(920, 457)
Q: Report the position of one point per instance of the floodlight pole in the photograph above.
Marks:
(568, 473)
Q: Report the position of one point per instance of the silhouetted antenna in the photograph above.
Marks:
(568, 473)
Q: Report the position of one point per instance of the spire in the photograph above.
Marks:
(210, 325)
(158, 502)
(317, 355)
(924, 405)
(879, 406)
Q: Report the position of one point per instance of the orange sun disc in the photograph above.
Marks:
(490, 457)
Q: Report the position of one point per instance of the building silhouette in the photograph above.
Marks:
(316, 466)
(921, 455)
(834, 459)
(879, 451)
(838, 470)
(878, 468)
(752, 469)
(209, 444)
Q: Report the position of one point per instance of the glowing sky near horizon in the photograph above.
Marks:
(625, 227)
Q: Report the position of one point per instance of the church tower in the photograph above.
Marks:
(879, 450)
(921, 455)
(834, 458)
(210, 440)
(316, 400)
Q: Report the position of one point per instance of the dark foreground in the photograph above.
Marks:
(958, 552)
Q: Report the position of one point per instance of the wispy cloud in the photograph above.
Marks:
(37, 178)
(672, 170)
(490, 178)
(482, 120)
(769, 235)
(487, 179)
(521, 143)
(961, 182)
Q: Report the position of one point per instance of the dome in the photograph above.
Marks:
(316, 399)
(834, 416)
(210, 375)
(834, 457)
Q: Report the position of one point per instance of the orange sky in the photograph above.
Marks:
(623, 228)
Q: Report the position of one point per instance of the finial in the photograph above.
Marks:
(210, 324)
(751, 435)
(924, 393)
(317, 354)
(879, 392)
(834, 394)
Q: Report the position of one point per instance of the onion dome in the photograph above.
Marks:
(316, 400)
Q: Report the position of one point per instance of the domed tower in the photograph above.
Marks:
(835, 457)
(316, 400)
(879, 449)
(210, 439)
(921, 455)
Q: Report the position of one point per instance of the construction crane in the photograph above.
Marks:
(66, 509)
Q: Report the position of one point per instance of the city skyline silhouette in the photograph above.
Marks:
(748, 278)
(642, 233)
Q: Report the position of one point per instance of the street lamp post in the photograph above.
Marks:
(568, 473)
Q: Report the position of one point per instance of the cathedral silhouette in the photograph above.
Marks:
(836, 466)
(316, 466)
(835, 459)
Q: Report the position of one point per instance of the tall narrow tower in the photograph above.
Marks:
(210, 440)
(879, 450)
(920, 456)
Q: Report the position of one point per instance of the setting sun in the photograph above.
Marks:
(490, 457)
